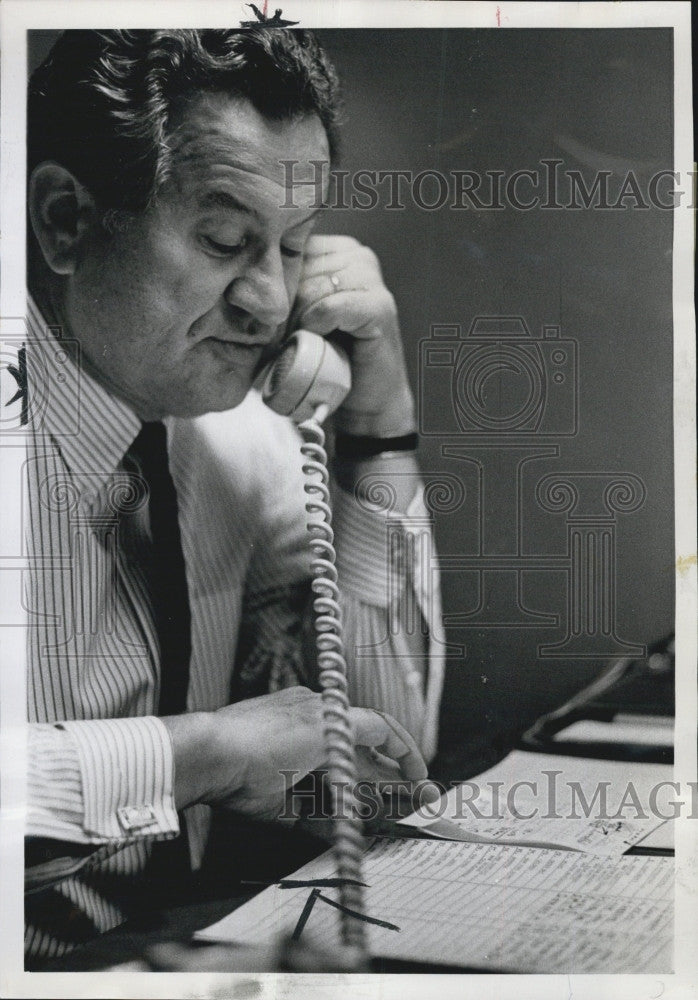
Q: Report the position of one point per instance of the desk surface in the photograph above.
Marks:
(218, 890)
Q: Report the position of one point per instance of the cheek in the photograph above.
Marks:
(154, 280)
(180, 279)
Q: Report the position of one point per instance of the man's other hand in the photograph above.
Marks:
(236, 756)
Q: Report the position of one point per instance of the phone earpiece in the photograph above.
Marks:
(308, 372)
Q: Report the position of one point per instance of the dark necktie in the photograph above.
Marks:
(168, 582)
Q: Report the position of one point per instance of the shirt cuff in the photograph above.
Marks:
(127, 778)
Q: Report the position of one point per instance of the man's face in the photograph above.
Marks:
(173, 313)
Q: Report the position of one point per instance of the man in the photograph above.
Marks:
(166, 260)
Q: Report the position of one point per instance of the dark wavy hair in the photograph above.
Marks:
(102, 101)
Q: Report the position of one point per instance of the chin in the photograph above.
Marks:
(195, 404)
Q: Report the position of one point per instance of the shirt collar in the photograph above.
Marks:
(92, 428)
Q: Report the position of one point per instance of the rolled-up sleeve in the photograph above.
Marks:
(101, 781)
(391, 603)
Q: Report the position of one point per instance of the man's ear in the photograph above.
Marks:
(62, 212)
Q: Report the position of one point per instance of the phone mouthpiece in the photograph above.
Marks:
(310, 373)
(281, 368)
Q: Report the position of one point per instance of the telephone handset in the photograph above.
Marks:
(308, 372)
(307, 381)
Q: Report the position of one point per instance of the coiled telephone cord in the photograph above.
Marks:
(341, 763)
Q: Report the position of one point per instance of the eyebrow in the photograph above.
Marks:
(225, 199)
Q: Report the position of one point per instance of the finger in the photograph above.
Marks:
(381, 731)
(374, 768)
(336, 253)
(379, 771)
(314, 288)
(324, 244)
(356, 312)
(356, 268)
(327, 259)
(425, 792)
(331, 258)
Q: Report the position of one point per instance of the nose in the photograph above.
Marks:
(261, 290)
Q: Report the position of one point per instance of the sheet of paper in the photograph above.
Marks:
(642, 729)
(660, 839)
(487, 906)
(597, 806)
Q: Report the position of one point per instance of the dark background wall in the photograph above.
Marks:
(504, 100)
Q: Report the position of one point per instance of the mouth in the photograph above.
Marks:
(249, 357)
(234, 348)
(237, 344)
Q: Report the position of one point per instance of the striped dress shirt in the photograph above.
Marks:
(100, 772)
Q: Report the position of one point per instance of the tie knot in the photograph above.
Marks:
(151, 440)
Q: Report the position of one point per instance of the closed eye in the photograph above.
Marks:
(224, 249)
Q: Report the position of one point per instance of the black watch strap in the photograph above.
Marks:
(354, 447)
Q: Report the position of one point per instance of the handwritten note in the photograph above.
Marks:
(487, 906)
(600, 807)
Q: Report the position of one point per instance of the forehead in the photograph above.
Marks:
(219, 139)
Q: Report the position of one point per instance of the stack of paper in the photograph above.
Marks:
(485, 906)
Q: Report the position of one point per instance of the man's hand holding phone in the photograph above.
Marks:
(342, 289)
